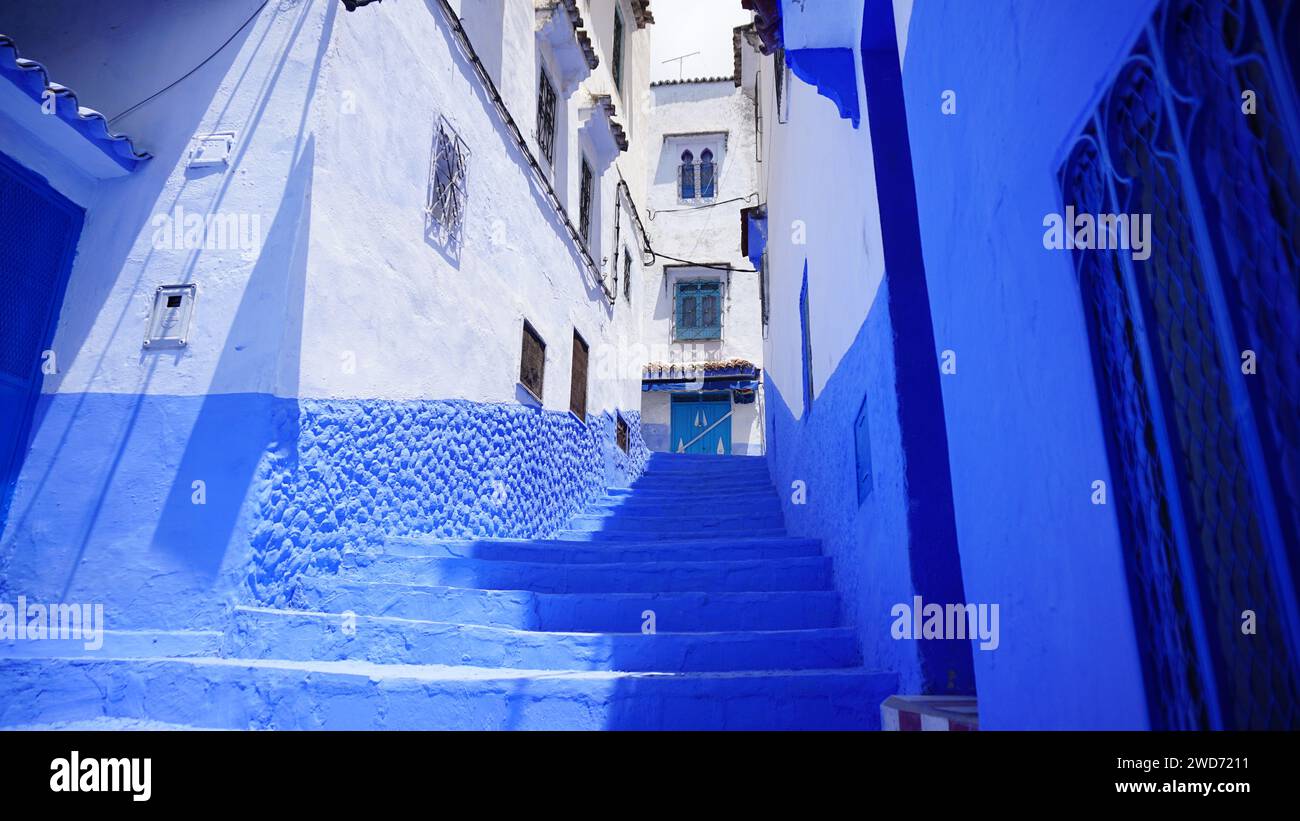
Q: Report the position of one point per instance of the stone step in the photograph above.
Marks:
(353, 695)
(303, 636)
(687, 503)
(121, 644)
(689, 484)
(559, 551)
(803, 573)
(690, 612)
(680, 526)
(655, 535)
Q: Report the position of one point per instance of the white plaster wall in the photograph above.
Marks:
(821, 191)
(332, 156)
(695, 115)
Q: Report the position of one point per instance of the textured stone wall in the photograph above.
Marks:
(343, 474)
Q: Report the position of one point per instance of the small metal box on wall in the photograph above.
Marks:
(169, 321)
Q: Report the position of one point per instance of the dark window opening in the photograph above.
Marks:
(617, 66)
(620, 433)
(532, 362)
(584, 203)
(546, 117)
(578, 387)
(174, 301)
(687, 176)
(708, 175)
(627, 275)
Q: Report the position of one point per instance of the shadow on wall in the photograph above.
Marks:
(109, 454)
(231, 431)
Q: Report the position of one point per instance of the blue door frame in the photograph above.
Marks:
(693, 414)
(38, 239)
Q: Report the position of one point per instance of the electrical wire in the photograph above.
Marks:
(206, 60)
(652, 212)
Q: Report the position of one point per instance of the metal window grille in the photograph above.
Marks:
(699, 310)
(546, 116)
(445, 204)
(617, 67)
(584, 203)
(1203, 458)
(627, 275)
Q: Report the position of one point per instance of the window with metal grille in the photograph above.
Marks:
(699, 309)
(584, 202)
(627, 275)
(620, 433)
(686, 176)
(578, 385)
(445, 203)
(532, 362)
(617, 67)
(1201, 456)
(779, 78)
(546, 116)
(707, 175)
(805, 338)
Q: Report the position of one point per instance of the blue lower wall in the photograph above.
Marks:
(1024, 429)
(104, 510)
(869, 542)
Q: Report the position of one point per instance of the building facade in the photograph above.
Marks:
(700, 301)
(345, 277)
(968, 408)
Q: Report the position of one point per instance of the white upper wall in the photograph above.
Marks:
(342, 296)
(695, 116)
(822, 211)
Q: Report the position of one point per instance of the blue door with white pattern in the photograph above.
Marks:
(38, 236)
(700, 423)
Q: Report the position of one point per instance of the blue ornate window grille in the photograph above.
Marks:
(699, 309)
(1204, 457)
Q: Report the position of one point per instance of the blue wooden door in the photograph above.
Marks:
(696, 414)
(38, 236)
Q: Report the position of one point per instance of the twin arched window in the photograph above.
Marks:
(697, 180)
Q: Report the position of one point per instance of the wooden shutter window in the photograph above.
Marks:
(578, 389)
(532, 363)
(620, 433)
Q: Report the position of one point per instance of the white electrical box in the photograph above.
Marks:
(169, 321)
(211, 149)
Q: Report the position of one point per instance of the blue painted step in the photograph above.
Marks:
(559, 551)
(803, 573)
(577, 612)
(623, 522)
(695, 533)
(247, 694)
(305, 636)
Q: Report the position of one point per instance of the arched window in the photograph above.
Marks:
(708, 175)
(687, 175)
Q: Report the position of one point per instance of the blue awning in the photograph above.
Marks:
(683, 386)
(29, 78)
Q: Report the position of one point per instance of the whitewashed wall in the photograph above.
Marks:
(719, 116)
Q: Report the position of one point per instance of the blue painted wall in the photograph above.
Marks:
(104, 510)
(1023, 422)
(869, 540)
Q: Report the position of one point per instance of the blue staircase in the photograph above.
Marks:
(513, 634)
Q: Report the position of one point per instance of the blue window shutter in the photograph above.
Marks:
(805, 331)
(699, 310)
(862, 451)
